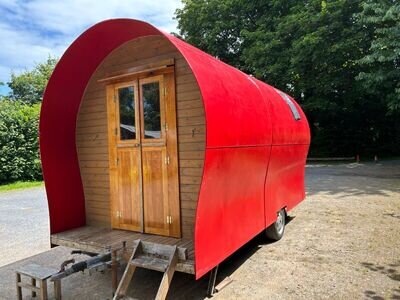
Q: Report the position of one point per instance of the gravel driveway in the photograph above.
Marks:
(343, 242)
(24, 224)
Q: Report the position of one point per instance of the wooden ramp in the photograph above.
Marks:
(98, 239)
(147, 255)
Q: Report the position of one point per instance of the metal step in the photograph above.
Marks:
(151, 263)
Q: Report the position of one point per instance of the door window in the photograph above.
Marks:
(127, 122)
(151, 110)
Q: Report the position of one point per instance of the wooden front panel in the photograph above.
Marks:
(155, 190)
(128, 190)
(92, 133)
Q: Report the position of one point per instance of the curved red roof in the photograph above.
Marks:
(244, 117)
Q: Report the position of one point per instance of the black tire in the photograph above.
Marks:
(275, 231)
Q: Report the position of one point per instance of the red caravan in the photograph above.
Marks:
(257, 139)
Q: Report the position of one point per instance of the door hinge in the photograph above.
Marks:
(117, 161)
(167, 160)
(119, 214)
(166, 126)
(165, 92)
(169, 220)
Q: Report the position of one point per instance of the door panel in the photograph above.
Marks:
(154, 164)
(129, 189)
(155, 191)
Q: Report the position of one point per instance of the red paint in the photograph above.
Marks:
(255, 149)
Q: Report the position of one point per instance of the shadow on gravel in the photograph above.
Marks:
(391, 271)
(184, 286)
(396, 216)
(348, 180)
(374, 296)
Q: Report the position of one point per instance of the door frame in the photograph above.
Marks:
(167, 77)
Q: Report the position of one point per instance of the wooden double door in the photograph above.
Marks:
(143, 155)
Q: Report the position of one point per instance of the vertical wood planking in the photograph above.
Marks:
(92, 136)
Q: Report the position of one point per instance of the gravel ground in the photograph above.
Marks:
(24, 224)
(343, 242)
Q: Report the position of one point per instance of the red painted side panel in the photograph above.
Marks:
(230, 211)
(236, 114)
(285, 179)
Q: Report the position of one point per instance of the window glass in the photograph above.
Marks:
(293, 107)
(127, 124)
(151, 110)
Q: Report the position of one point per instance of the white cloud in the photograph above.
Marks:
(32, 30)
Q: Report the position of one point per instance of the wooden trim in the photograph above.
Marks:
(175, 228)
(140, 70)
(112, 150)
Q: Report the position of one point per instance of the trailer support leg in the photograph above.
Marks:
(114, 271)
(211, 282)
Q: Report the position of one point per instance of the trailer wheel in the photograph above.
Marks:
(275, 231)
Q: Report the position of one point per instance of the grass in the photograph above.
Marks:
(20, 185)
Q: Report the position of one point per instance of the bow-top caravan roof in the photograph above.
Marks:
(240, 111)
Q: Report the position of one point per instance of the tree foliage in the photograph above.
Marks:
(381, 64)
(321, 52)
(29, 86)
(19, 124)
(19, 153)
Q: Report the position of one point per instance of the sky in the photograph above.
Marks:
(31, 30)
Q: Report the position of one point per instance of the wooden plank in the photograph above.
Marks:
(93, 129)
(197, 155)
(189, 138)
(193, 146)
(191, 112)
(192, 204)
(167, 277)
(190, 188)
(92, 150)
(92, 143)
(93, 170)
(187, 121)
(187, 87)
(190, 104)
(94, 164)
(197, 172)
(190, 95)
(187, 78)
(191, 163)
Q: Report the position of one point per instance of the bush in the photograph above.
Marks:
(19, 149)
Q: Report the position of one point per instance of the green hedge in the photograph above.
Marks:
(19, 149)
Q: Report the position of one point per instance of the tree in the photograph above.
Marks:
(19, 153)
(29, 86)
(381, 63)
(309, 49)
